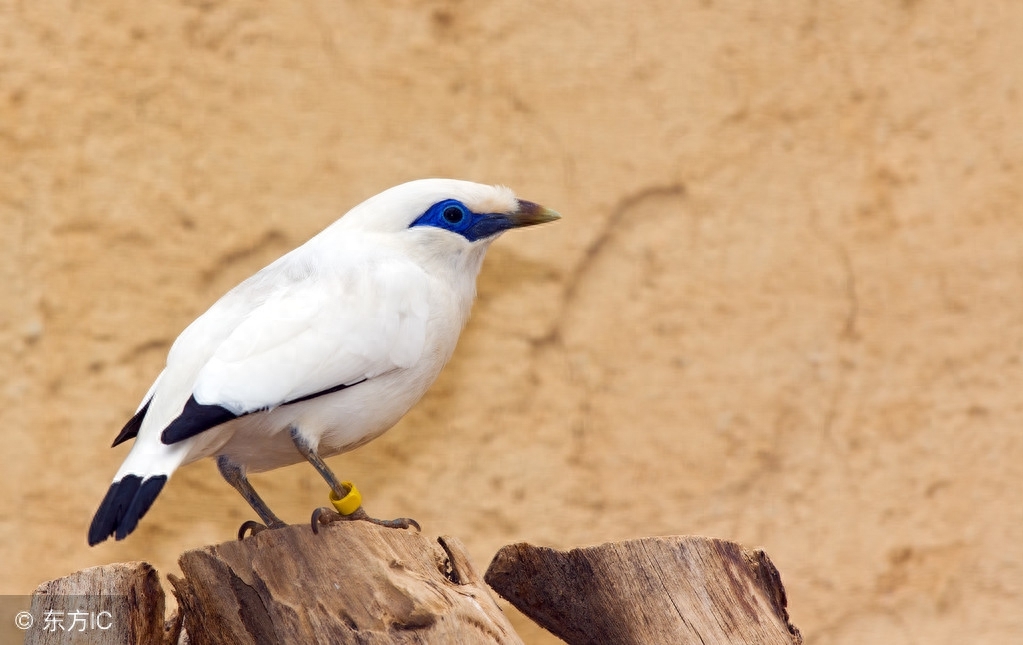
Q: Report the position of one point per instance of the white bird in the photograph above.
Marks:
(321, 351)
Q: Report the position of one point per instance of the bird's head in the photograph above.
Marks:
(446, 219)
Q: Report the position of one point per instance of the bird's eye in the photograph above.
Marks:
(453, 215)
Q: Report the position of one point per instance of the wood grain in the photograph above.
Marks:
(653, 590)
(360, 583)
(352, 583)
(129, 593)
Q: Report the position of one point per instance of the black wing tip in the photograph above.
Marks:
(198, 417)
(195, 418)
(123, 506)
(131, 429)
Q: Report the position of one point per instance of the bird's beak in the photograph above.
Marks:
(526, 214)
(529, 214)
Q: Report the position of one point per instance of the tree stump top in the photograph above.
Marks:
(360, 583)
(354, 582)
(653, 590)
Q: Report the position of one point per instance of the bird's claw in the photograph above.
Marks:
(400, 523)
(255, 527)
(250, 525)
(325, 515)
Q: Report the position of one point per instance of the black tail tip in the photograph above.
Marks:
(123, 506)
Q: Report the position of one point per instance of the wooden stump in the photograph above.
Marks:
(654, 590)
(354, 582)
(360, 583)
(108, 605)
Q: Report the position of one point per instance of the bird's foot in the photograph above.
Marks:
(348, 506)
(254, 527)
(325, 515)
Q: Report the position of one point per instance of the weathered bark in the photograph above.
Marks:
(108, 605)
(360, 583)
(353, 583)
(654, 590)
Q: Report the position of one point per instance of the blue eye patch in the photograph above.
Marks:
(452, 215)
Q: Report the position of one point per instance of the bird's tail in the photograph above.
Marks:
(133, 491)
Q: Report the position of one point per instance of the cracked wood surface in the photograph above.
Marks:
(654, 590)
(360, 583)
(352, 583)
(117, 604)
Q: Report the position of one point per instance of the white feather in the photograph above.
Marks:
(348, 323)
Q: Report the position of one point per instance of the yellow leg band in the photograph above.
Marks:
(350, 502)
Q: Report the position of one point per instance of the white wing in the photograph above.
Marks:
(331, 328)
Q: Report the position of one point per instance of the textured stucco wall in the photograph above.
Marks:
(784, 306)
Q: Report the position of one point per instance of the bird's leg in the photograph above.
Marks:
(235, 475)
(324, 515)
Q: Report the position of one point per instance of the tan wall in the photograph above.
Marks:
(784, 306)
